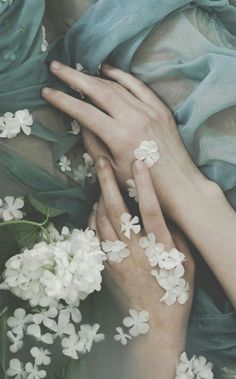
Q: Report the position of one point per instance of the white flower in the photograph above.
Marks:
(18, 322)
(16, 341)
(10, 208)
(44, 44)
(176, 288)
(129, 224)
(45, 315)
(72, 346)
(86, 171)
(41, 356)
(153, 250)
(202, 369)
(16, 369)
(185, 367)
(35, 331)
(9, 126)
(121, 336)
(89, 334)
(62, 326)
(74, 313)
(132, 190)
(65, 163)
(33, 372)
(75, 127)
(116, 251)
(147, 152)
(137, 322)
(25, 120)
(172, 259)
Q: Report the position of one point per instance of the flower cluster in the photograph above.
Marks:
(147, 152)
(67, 270)
(12, 124)
(137, 324)
(10, 208)
(196, 368)
(171, 270)
(116, 251)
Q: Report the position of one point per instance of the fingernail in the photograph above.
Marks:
(55, 65)
(138, 166)
(101, 163)
(46, 91)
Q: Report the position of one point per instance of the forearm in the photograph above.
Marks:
(201, 210)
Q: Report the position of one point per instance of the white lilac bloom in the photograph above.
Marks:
(75, 128)
(129, 224)
(45, 315)
(137, 322)
(44, 44)
(116, 251)
(121, 336)
(147, 152)
(72, 346)
(41, 356)
(35, 331)
(33, 372)
(132, 189)
(10, 208)
(16, 341)
(25, 120)
(65, 164)
(16, 369)
(89, 334)
(18, 322)
(202, 369)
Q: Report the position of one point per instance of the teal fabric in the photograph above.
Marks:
(115, 29)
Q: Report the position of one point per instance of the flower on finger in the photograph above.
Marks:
(65, 164)
(129, 224)
(19, 320)
(10, 208)
(132, 189)
(153, 250)
(41, 356)
(122, 336)
(33, 372)
(137, 322)
(147, 152)
(89, 334)
(16, 369)
(116, 251)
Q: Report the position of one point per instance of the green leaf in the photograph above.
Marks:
(3, 343)
(43, 208)
(77, 369)
(26, 235)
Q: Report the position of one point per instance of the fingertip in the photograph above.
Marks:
(46, 91)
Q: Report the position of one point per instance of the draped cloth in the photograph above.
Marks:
(186, 51)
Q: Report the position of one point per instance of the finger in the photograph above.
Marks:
(100, 92)
(134, 85)
(114, 203)
(104, 225)
(94, 146)
(86, 114)
(149, 206)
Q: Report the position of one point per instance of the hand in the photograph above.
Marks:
(133, 276)
(125, 113)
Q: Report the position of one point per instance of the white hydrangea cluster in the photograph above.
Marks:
(195, 368)
(67, 270)
(12, 124)
(171, 270)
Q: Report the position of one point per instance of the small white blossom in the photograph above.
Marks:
(10, 208)
(25, 120)
(89, 334)
(16, 341)
(196, 368)
(44, 44)
(202, 369)
(41, 356)
(65, 163)
(72, 346)
(172, 260)
(147, 152)
(73, 313)
(137, 322)
(176, 288)
(9, 126)
(121, 336)
(34, 372)
(116, 251)
(45, 315)
(62, 326)
(75, 127)
(129, 224)
(16, 369)
(18, 322)
(153, 250)
(132, 189)
(86, 171)
(35, 331)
